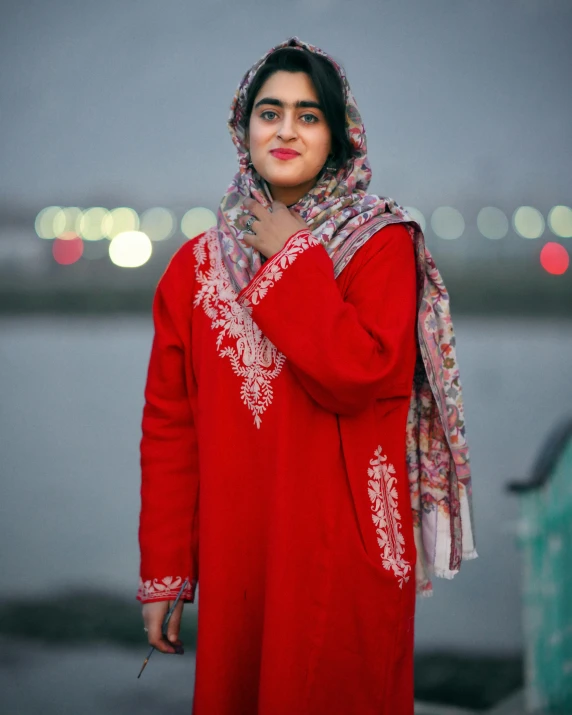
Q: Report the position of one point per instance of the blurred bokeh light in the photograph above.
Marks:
(71, 226)
(72, 218)
(90, 226)
(528, 222)
(158, 223)
(120, 220)
(492, 222)
(554, 258)
(447, 222)
(560, 221)
(196, 221)
(67, 248)
(45, 220)
(130, 249)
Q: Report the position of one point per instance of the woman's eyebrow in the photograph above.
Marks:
(300, 104)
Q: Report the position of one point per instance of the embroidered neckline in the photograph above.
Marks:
(252, 356)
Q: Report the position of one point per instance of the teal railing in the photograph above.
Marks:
(545, 540)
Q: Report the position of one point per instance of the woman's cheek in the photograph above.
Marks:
(323, 146)
(259, 135)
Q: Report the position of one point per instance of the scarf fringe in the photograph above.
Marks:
(424, 585)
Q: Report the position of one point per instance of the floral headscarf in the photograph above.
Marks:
(343, 216)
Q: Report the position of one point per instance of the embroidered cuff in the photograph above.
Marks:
(165, 589)
(273, 269)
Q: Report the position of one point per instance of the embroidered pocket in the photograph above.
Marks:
(386, 517)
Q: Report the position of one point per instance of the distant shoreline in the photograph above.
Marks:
(477, 297)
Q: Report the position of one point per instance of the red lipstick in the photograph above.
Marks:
(284, 154)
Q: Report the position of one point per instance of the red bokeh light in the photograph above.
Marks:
(554, 259)
(67, 248)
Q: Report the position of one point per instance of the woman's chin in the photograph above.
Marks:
(287, 181)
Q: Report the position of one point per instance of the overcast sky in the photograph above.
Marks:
(463, 100)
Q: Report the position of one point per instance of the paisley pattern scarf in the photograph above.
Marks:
(343, 216)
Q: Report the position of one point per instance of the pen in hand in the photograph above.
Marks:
(165, 624)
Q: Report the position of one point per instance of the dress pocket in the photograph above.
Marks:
(386, 517)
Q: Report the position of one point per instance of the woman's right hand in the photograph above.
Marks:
(153, 616)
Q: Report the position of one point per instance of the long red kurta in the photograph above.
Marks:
(277, 418)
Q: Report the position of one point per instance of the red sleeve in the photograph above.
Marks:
(346, 350)
(169, 459)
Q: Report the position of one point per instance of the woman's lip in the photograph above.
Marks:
(284, 153)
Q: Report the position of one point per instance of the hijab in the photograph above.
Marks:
(343, 216)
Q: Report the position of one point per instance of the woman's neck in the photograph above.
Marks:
(290, 195)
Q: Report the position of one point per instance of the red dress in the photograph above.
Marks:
(276, 418)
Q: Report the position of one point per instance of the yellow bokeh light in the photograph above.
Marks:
(447, 222)
(120, 220)
(416, 215)
(492, 223)
(90, 224)
(560, 221)
(130, 249)
(60, 223)
(54, 220)
(158, 223)
(196, 221)
(528, 222)
(72, 217)
(44, 223)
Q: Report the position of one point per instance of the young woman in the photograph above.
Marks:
(303, 453)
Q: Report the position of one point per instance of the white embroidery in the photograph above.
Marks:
(252, 356)
(275, 267)
(160, 588)
(386, 517)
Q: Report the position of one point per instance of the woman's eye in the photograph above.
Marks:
(269, 115)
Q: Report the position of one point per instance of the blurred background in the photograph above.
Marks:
(114, 151)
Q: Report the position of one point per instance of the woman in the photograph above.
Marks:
(298, 346)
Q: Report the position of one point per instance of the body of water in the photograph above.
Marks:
(71, 400)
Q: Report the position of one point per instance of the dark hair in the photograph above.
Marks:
(328, 86)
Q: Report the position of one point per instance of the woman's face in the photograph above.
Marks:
(286, 116)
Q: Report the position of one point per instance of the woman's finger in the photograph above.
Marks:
(278, 206)
(174, 627)
(249, 238)
(254, 208)
(153, 616)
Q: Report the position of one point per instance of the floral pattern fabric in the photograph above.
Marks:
(275, 267)
(158, 589)
(252, 356)
(386, 516)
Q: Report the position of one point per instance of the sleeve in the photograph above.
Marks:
(168, 525)
(347, 351)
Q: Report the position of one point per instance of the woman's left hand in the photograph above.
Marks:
(272, 228)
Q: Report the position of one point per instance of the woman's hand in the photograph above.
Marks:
(272, 228)
(153, 616)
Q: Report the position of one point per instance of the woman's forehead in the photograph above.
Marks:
(290, 87)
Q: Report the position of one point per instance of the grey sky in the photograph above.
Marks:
(462, 100)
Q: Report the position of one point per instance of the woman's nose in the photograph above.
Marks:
(287, 128)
